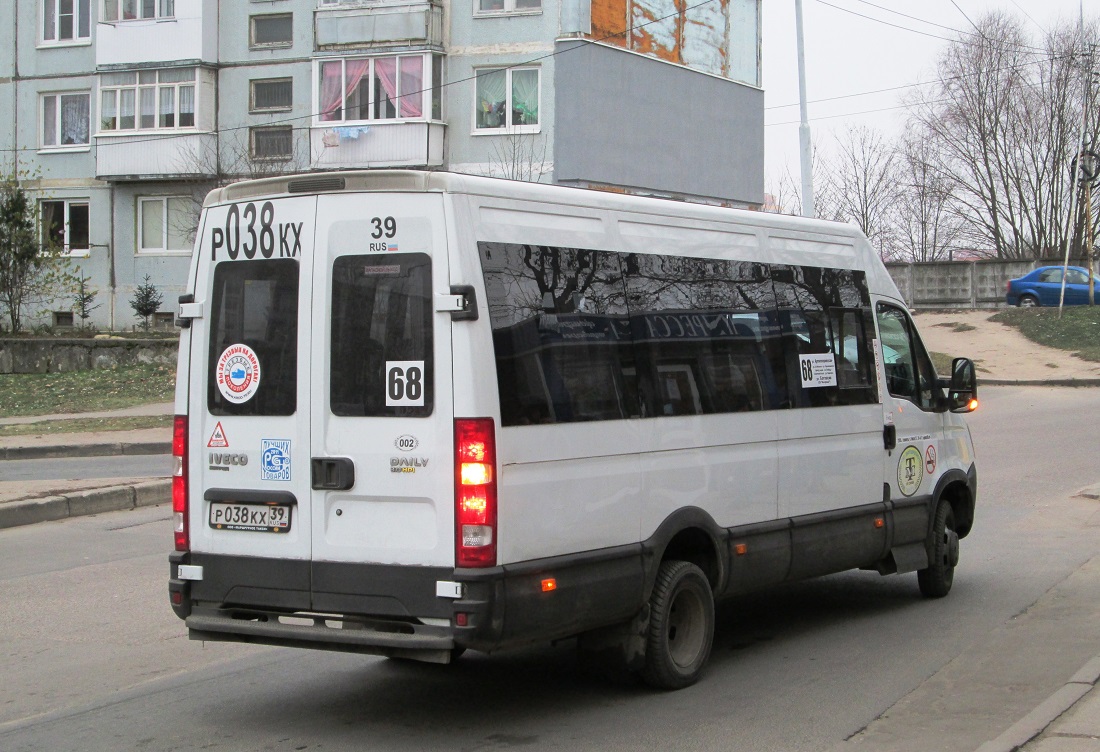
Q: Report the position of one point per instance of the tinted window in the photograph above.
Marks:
(825, 312)
(254, 305)
(909, 371)
(382, 363)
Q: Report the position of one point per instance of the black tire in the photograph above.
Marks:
(1028, 301)
(943, 554)
(681, 626)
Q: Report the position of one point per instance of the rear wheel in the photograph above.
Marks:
(681, 626)
(1028, 301)
(943, 554)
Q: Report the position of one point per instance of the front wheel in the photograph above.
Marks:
(681, 626)
(1028, 301)
(943, 554)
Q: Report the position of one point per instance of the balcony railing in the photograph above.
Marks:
(147, 155)
(380, 144)
(386, 22)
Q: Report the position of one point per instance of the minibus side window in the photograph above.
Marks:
(909, 371)
(255, 304)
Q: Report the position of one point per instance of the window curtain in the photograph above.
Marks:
(333, 92)
(109, 108)
(74, 119)
(525, 97)
(148, 103)
(412, 86)
(187, 106)
(168, 107)
(49, 10)
(491, 92)
(126, 109)
(385, 90)
(152, 224)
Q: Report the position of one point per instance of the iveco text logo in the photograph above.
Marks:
(225, 460)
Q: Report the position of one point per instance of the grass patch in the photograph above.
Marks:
(1078, 330)
(85, 391)
(86, 425)
(957, 326)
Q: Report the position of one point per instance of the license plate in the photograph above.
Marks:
(256, 518)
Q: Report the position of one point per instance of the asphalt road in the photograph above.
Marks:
(94, 659)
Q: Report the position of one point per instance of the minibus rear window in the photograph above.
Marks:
(382, 363)
(253, 358)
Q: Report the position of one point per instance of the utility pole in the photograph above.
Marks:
(808, 208)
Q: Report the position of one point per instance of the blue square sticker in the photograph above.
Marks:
(275, 459)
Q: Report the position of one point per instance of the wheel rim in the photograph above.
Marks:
(686, 628)
(1027, 302)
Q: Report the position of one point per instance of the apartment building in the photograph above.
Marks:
(124, 113)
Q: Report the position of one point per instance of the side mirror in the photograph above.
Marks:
(962, 394)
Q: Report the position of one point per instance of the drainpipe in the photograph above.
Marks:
(111, 260)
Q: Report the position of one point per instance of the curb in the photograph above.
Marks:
(85, 450)
(131, 496)
(1047, 712)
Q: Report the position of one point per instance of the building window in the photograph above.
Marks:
(507, 100)
(133, 10)
(66, 20)
(508, 6)
(63, 320)
(65, 120)
(64, 225)
(165, 223)
(272, 30)
(149, 99)
(270, 94)
(380, 88)
(272, 143)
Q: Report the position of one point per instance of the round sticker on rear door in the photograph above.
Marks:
(238, 373)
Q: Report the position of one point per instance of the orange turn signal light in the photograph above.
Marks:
(879, 522)
(972, 405)
(741, 549)
(549, 584)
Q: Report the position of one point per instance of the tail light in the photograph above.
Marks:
(179, 482)
(475, 493)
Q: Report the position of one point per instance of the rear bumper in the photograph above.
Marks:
(397, 610)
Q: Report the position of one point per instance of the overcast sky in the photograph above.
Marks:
(851, 54)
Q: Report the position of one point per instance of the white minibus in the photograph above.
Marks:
(419, 413)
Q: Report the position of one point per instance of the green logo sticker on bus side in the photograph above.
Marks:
(910, 470)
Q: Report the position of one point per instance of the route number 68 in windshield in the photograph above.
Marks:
(251, 231)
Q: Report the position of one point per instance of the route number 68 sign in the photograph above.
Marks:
(404, 383)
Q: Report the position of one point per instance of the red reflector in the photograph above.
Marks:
(475, 492)
(177, 598)
(879, 522)
(461, 619)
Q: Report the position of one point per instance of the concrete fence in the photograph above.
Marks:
(49, 355)
(961, 284)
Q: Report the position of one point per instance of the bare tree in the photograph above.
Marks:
(864, 183)
(519, 156)
(1003, 117)
(925, 226)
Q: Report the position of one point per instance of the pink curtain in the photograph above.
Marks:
(385, 70)
(333, 93)
(412, 86)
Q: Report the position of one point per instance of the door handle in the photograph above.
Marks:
(890, 437)
(332, 473)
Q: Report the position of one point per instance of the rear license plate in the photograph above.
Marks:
(256, 518)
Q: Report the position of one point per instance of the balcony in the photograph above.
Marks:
(384, 23)
(191, 34)
(378, 144)
(156, 156)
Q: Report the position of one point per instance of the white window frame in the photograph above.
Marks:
(136, 87)
(50, 37)
(509, 9)
(427, 87)
(163, 250)
(69, 203)
(59, 129)
(507, 128)
(113, 11)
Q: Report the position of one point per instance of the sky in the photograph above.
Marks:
(850, 54)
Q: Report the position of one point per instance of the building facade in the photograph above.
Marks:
(121, 114)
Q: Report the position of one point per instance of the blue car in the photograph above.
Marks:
(1043, 287)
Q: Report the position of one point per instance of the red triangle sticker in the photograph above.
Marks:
(217, 439)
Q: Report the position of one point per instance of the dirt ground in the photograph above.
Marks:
(999, 352)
